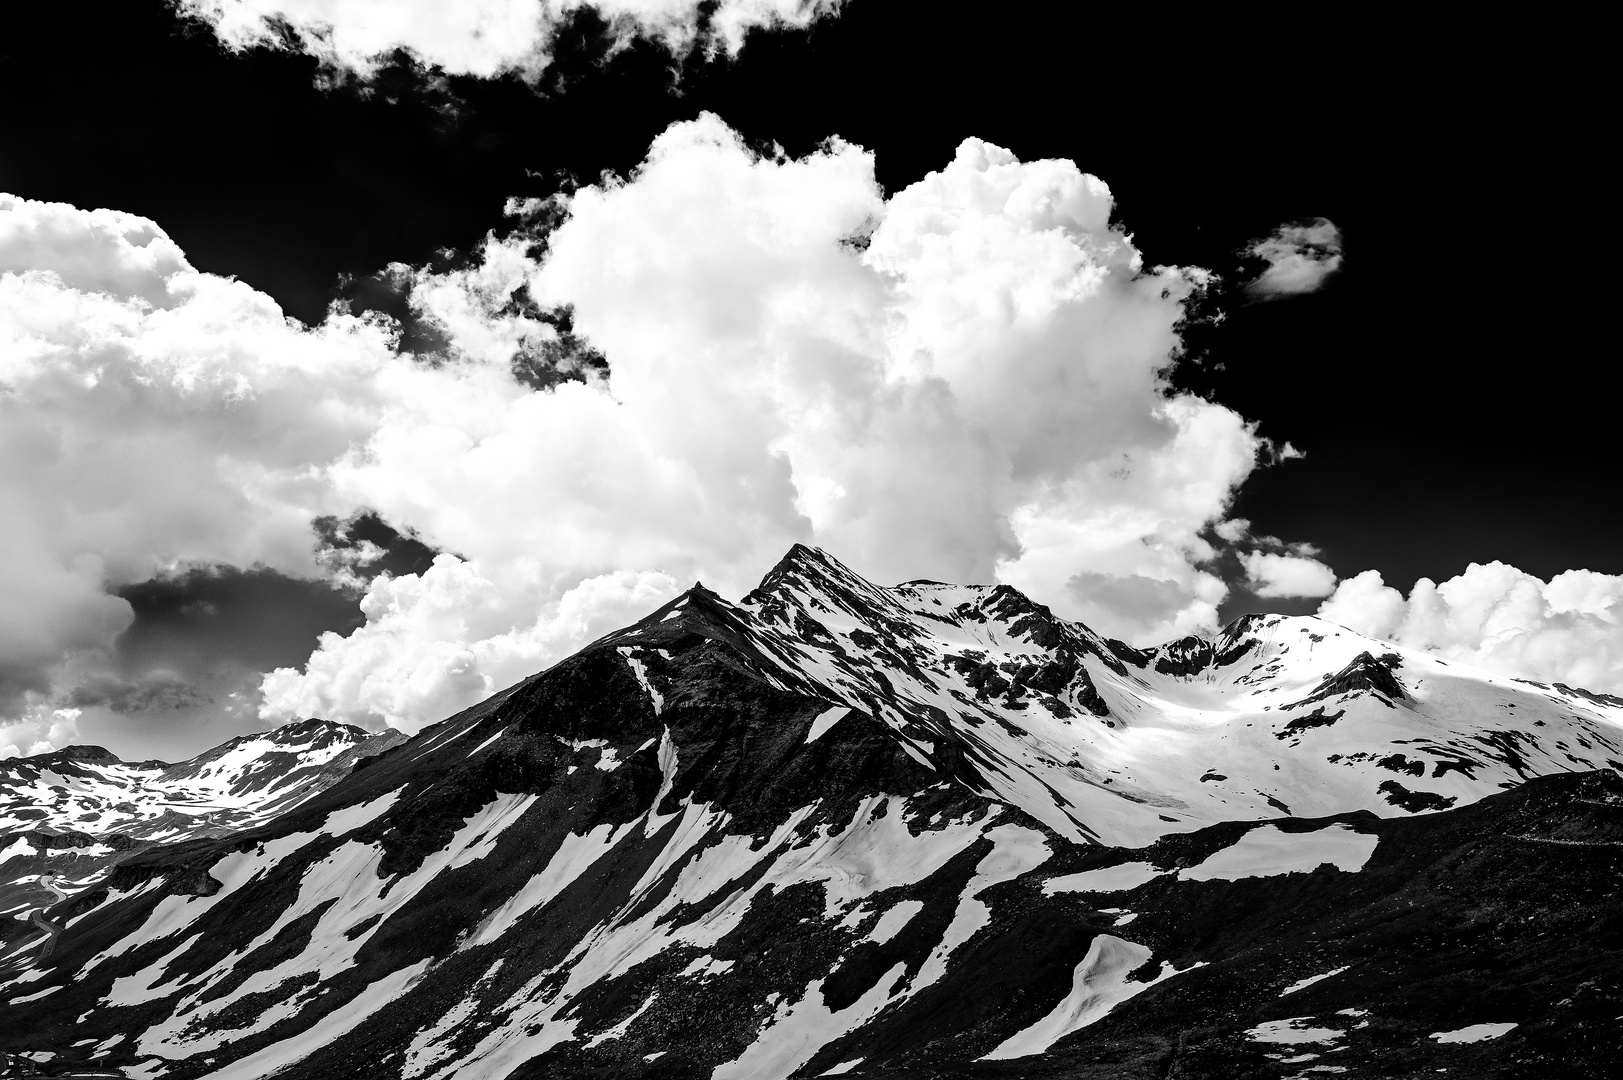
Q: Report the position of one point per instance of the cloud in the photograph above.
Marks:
(484, 38)
(150, 417)
(156, 691)
(1136, 603)
(1271, 575)
(964, 381)
(1568, 629)
(1300, 259)
(38, 732)
(437, 642)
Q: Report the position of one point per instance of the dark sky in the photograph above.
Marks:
(1447, 387)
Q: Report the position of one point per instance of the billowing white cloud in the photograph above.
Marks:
(1300, 259)
(1273, 574)
(963, 381)
(1568, 629)
(149, 416)
(39, 730)
(485, 38)
(434, 643)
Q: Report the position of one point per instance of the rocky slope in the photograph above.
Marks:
(930, 830)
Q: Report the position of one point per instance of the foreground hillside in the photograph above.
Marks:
(924, 831)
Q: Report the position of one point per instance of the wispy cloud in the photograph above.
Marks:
(1300, 258)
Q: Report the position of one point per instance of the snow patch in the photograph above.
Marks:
(1018, 850)
(339, 1022)
(876, 852)
(704, 965)
(1266, 851)
(1292, 1031)
(142, 987)
(1121, 878)
(425, 1048)
(891, 922)
(487, 742)
(1303, 984)
(907, 747)
(619, 1030)
(1473, 1033)
(350, 818)
(825, 720)
(796, 1032)
(573, 857)
(1098, 985)
(667, 776)
(641, 672)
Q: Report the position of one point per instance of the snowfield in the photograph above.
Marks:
(1473, 1033)
(1266, 851)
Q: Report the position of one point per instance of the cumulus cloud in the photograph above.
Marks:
(1568, 629)
(149, 416)
(484, 38)
(965, 381)
(38, 731)
(436, 642)
(1272, 574)
(962, 381)
(1300, 259)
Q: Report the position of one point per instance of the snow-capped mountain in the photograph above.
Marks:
(1099, 741)
(88, 789)
(76, 812)
(929, 830)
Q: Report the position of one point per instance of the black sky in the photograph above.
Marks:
(1449, 388)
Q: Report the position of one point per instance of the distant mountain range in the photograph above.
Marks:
(842, 830)
(78, 811)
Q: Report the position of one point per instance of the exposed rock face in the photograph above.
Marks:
(923, 831)
(1365, 673)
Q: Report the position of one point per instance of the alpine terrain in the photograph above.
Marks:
(836, 829)
(68, 817)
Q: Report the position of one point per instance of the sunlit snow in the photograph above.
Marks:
(1120, 878)
(1266, 851)
(1473, 1033)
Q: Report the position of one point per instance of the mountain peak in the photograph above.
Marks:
(312, 727)
(82, 752)
(808, 568)
(795, 800)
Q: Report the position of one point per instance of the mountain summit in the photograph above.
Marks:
(927, 830)
(1102, 742)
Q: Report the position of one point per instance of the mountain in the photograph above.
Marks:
(89, 789)
(76, 812)
(922, 831)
